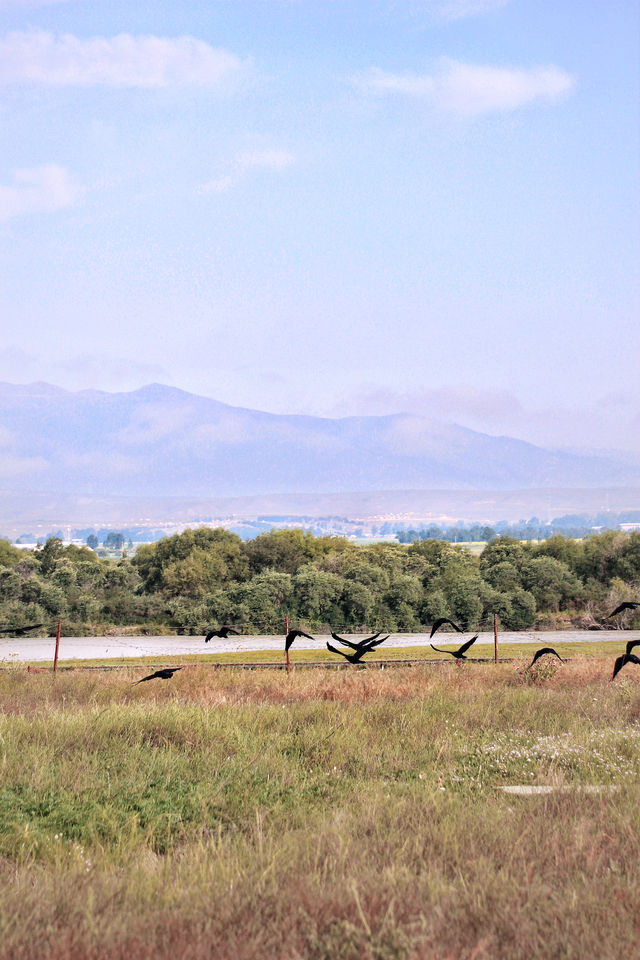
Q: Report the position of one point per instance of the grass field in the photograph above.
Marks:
(520, 652)
(352, 814)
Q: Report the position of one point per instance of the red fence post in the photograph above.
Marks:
(286, 631)
(55, 659)
(495, 637)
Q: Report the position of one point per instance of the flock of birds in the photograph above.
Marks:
(355, 652)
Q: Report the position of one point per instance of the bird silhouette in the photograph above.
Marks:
(359, 649)
(293, 635)
(355, 657)
(459, 654)
(440, 622)
(366, 642)
(223, 633)
(541, 652)
(20, 631)
(621, 660)
(164, 674)
(627, 605)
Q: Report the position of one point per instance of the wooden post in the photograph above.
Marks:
(286, 631)
(55, 658)
(495, 637)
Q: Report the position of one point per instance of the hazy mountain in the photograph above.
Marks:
(160, 441)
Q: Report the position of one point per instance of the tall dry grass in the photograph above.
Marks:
(324, 815)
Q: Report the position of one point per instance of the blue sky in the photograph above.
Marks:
(327, 206)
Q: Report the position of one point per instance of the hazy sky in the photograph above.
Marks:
(329, 206)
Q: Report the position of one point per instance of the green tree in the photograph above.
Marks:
(50, 555)
(284, 550)
(317, 594)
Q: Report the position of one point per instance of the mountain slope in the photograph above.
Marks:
(160, 441)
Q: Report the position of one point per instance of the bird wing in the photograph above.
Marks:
(465, 646)
(151, 676)
(440, 622)
(556, 654)
(347, 643)
(540, 653)
(308, 636)
(439, 650)
(376, 643)
(631, 644)
(618, 609)
(619, 664)
(212, 633)
(335, 650)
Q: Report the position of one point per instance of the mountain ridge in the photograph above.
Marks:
(165, 441)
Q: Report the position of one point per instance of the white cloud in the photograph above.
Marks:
(277, 160)
(469, 89)
(121, 61)
(42, 189)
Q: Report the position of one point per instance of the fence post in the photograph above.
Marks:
(495, 637)
(55, 658)
(286, 631)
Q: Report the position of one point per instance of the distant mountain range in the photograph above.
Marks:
(159, 441)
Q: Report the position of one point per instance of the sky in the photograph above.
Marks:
(333, 207)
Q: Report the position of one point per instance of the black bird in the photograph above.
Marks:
(366, 642)
(440, 622)
(621, 660)
(351, 657)
(541, 652)
(459, 654)
(627, 605)
(223, 633)
(293, 635)
(360, 648)
(20, 631)
(164, 674)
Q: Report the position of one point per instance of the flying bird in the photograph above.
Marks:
(621, 660)
(293, 635)
(351, 657)
(440, 622)
(359, 649)
(459, 654)
(541, 652)
(20, 631)
(366, 642)
(223, 633)
(627, 605)
(164, 674)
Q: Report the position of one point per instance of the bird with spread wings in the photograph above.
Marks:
(458, 654)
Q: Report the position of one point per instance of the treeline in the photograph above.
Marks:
(482, 533)
(202, 577)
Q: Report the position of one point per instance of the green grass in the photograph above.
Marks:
(515, 651)
(321, 815)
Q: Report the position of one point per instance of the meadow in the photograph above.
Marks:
(327, 814)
